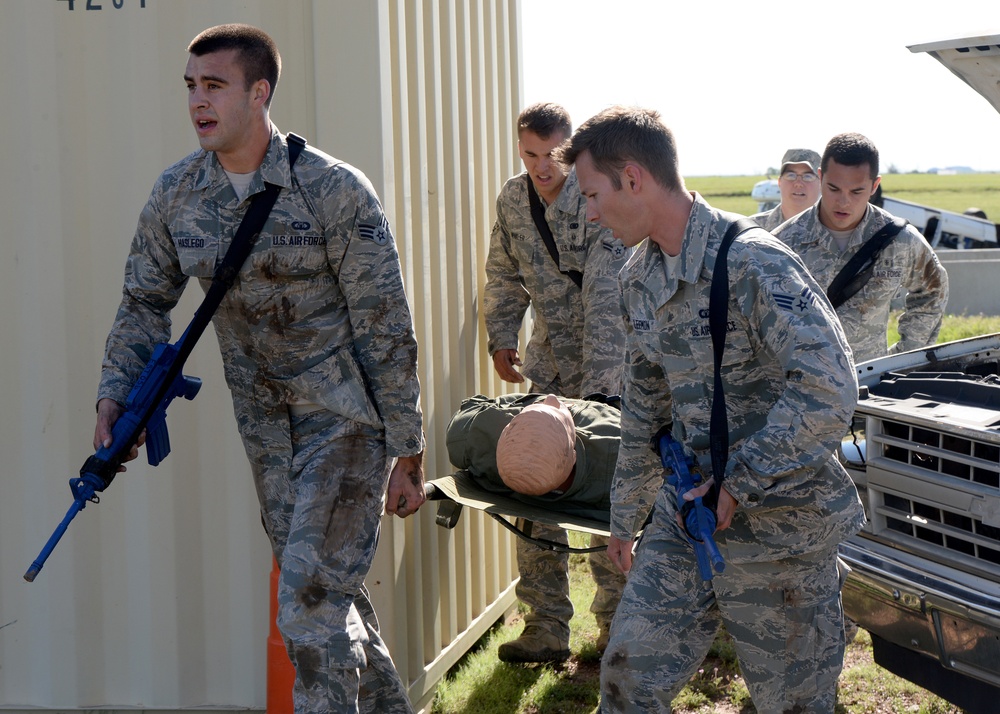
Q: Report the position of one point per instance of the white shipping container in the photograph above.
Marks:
(157, 598)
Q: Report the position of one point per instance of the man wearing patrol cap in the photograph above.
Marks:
(799, 186)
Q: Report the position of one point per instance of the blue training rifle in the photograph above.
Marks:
(699, 519)
(145, 409)
(161, 380)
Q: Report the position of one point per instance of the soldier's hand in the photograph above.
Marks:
(724, 510)
(108, 411)
(700, 490)
(620, 553)
(406, 486)
(504, 362)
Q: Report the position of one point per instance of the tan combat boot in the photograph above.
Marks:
(535, 645)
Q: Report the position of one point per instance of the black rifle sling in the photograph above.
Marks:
(251, 226)
(718, 318)
(858, 271)
(538, 216)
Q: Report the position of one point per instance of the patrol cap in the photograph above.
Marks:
(801, 156)
(536, 452)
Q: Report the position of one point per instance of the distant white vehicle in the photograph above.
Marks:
(945, 229)
(767, 194)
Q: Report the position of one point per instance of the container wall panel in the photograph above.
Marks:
(157, 597)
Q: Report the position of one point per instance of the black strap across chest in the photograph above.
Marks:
(718, 318)
(858, 271)
(538, 216)
(252, 223)
(246, 235)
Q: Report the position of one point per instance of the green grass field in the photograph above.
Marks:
(952, 193)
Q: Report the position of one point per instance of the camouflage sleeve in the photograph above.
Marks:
(371, 280)
(796, 324)
(504, 298)
(603, 324)
(645, 408)
(153, 284)
(926, 297)
(769, 220)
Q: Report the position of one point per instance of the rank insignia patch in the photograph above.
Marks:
(799, 303)
(616, 247)
(378, 234)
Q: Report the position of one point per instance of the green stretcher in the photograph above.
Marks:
(461, 488)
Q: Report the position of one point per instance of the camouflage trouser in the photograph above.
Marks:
(321, 490)
(544, 574)
(544, 583)
(785, 618)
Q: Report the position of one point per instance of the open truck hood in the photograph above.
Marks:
(975, 59)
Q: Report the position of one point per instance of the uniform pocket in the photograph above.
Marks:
(319, 665)
(347, 650)
(291, 255)
(198, 254)
(522, 248)
(337, 383)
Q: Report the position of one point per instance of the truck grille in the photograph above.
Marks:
(935, 493)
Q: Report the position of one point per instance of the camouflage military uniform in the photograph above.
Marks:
(575, 350)
(317, 315)
(476, 427)
(908, 262)
(769, 220)
(790, 389)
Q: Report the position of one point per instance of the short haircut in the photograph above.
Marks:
(256, 52)
(619, 135)
(544, 119)
(852, 149)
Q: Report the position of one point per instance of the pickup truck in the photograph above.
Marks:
(925, 572)
(924, 453)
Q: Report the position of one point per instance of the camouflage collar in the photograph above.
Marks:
(702, 237)
(568, 200)
(813, 230)
(274, 169)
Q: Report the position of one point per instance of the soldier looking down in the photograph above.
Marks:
(575, 347)
(828, 235)
(784, 502)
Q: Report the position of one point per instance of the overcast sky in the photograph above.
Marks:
(739, 81)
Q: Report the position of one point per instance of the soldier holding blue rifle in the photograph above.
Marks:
(318, 347)
(781, 499)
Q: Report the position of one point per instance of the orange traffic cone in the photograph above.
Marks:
(280, 671)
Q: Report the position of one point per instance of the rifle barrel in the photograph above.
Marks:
(36, 566)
